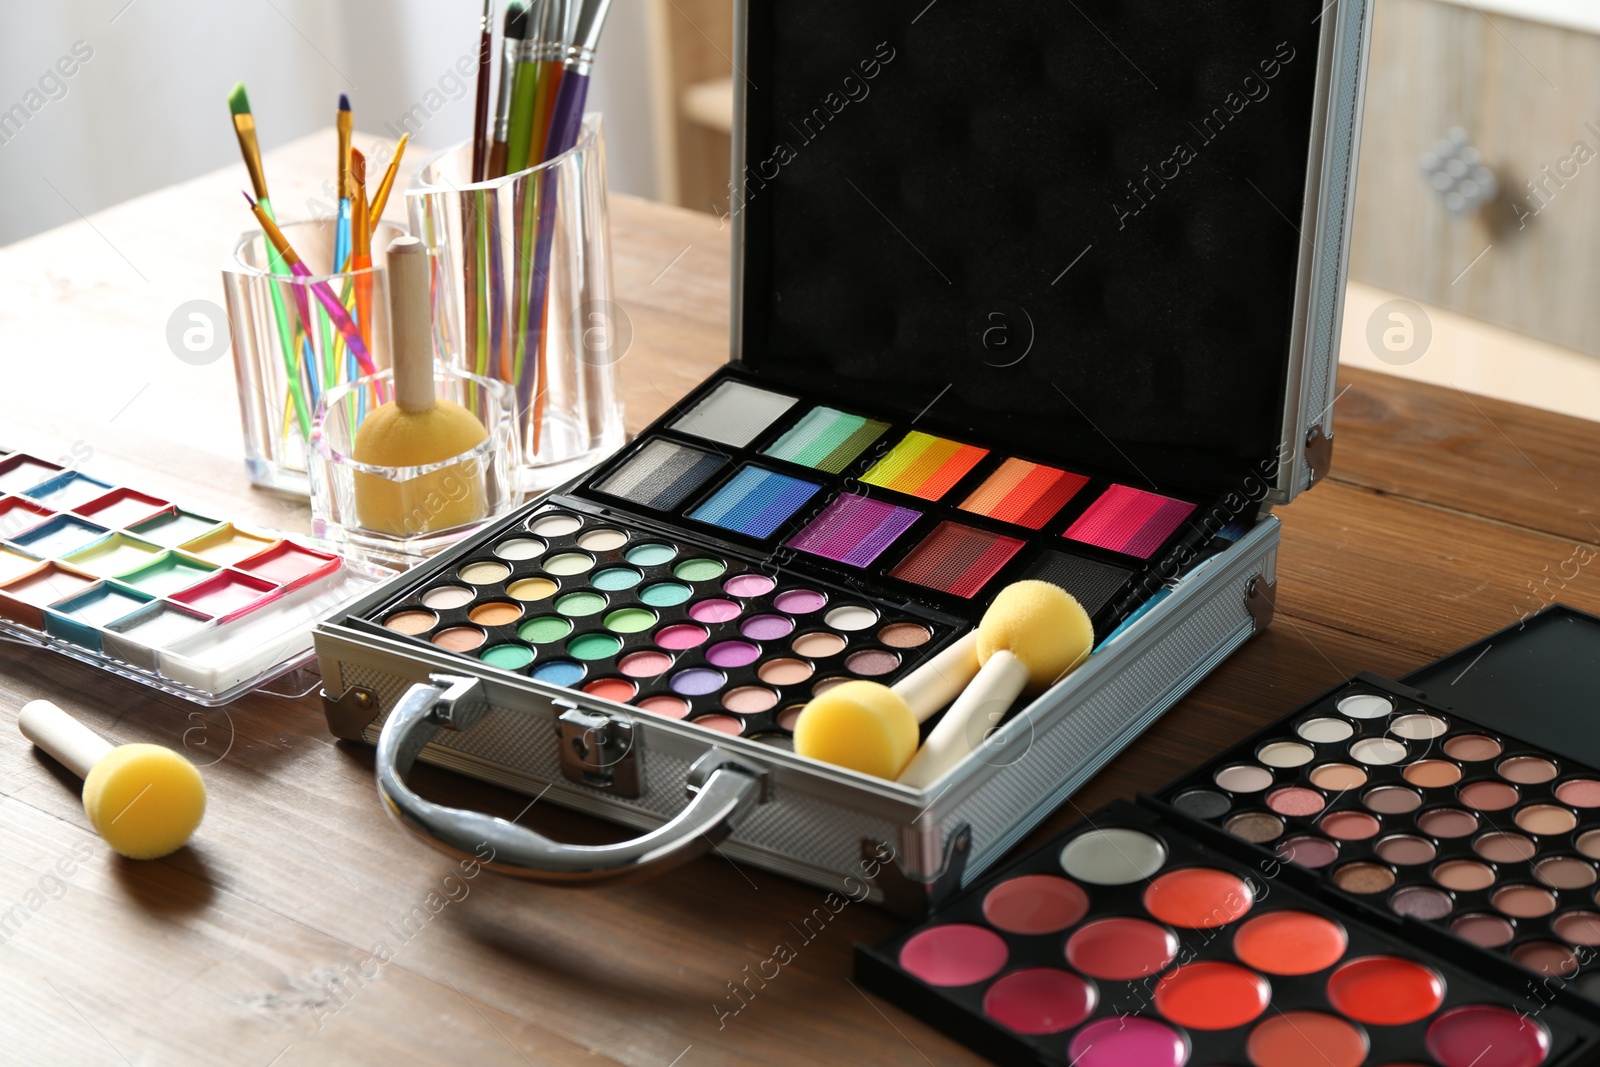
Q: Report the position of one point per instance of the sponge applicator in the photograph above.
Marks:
(145, 800)
(1032, 635)
(416, 428)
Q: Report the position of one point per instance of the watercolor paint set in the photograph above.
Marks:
(186, 602)
(950, 368)
(1126, 941)
(1455, 828)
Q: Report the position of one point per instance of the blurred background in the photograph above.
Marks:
(1471, 265)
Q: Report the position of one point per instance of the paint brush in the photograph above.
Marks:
(524, 81)
(329, 301)
(480, 111)
(341, 240)
(244, 126)
(552, 54)
(361, 245)
(516, 29)
(380, 199)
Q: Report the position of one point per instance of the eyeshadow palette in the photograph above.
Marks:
(1446, 824)
(915, 515)
(678, 628)
(1126, 942)
(127, 581)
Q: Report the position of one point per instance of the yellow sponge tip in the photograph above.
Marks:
(441, 500)
(145, 800)
(1042, 625)
(864, 726)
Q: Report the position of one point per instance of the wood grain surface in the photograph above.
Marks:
(303, 927)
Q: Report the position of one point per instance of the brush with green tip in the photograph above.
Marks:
(244, 124)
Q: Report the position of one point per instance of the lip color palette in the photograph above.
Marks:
(912, 513)
(1125, 942)
(675, 627)
(131, 582)
(1424, 817)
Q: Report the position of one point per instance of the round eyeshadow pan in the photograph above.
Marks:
(520, 548)
(1489, 796)
(749, 585)
(544, 629)
(1464, 876)
(1211, 995)
(822, 685)
(554, 524)
(766, 627)
(1338, 777)
(1365, 706)
(1421, 902)
(1256, 827)
(665, 594)
(459, 638)
(1527, 770)
(577, 605)
(531, 589)
(507, 657)
(593, 646)
(1564, 872)
(1035, 904)
(749, 700)
(568, 563)
(1579, 792)
(957, 954)
(714, 610)
(1363, 878)
(784, 671)
(727, 654)
(614, 579)
(602, 540)
(1589, 844)
(1459, 1037)
(722, 724)
(1112, 856)
(1386, 990)
(871, 662)
(1297, 1038)
(699, 569)
(1483, 930)
(1243, 778)
(801, 601)
(558, 672)
(789, 716)
(1405, 850)
(1391, 800)
(1308, 851)
(495, 613)
(850, 617)
(448, 596)
(1523, 901)
(682, 635)
(818, 645)
(1122, 1041)
(1547, 957)
(1197, 898)
(1472, 748)
(411, 622)
(1290, 943)
(665, 706)
(1432, 773)
(483, 573)
(905, 635)
(1039, 1000)
(1325, 731)
(1501, 847)
(696, 681)
(1202, 803)
(650, 555)
(1378, 751)
(1545, 819)
(1285, 754)
(1418, 727)
(1120, 949)
(630, 620)
(646, 664)
(1349, 825)
(1578, 927)
(618, 689)
(1447, 822)
(1296, 800)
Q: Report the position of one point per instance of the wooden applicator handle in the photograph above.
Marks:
(410, 324)
(999, 682)
(941, 679)
(64, 737)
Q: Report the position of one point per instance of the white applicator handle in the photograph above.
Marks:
(410, 324)
(941, 679)
(64, 737)
(999, 682)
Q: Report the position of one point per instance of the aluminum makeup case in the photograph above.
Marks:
(1110, 236)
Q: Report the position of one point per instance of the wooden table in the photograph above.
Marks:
(1444, 513)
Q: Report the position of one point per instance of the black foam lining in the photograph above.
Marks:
(959, 229)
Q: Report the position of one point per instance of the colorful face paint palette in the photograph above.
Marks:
(924, 466)
(662, 475)
(733, 413)
(755, 502)
(958, 559)
(92, 571)
(1130, 521)
(1423, 817)
(1024, 493)
(854, 529)
(827, 439)
(1125, 941)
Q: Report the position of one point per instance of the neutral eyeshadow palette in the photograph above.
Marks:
(570, 595)
(1125, 941)
(124, 580)
(1450, 826)
(909, 512)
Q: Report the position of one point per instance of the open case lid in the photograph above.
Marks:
(1107, 233)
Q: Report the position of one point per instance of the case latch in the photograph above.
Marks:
(1260, 600)
(351, 712)
(600, 750)
(1319, 453)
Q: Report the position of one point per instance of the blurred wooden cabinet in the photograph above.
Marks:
(1528, 95)
(693, 74)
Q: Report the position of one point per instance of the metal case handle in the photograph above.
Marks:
(721, 794)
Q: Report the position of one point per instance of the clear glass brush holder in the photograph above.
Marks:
(286, 351)
(412, 510)
(523, 293)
